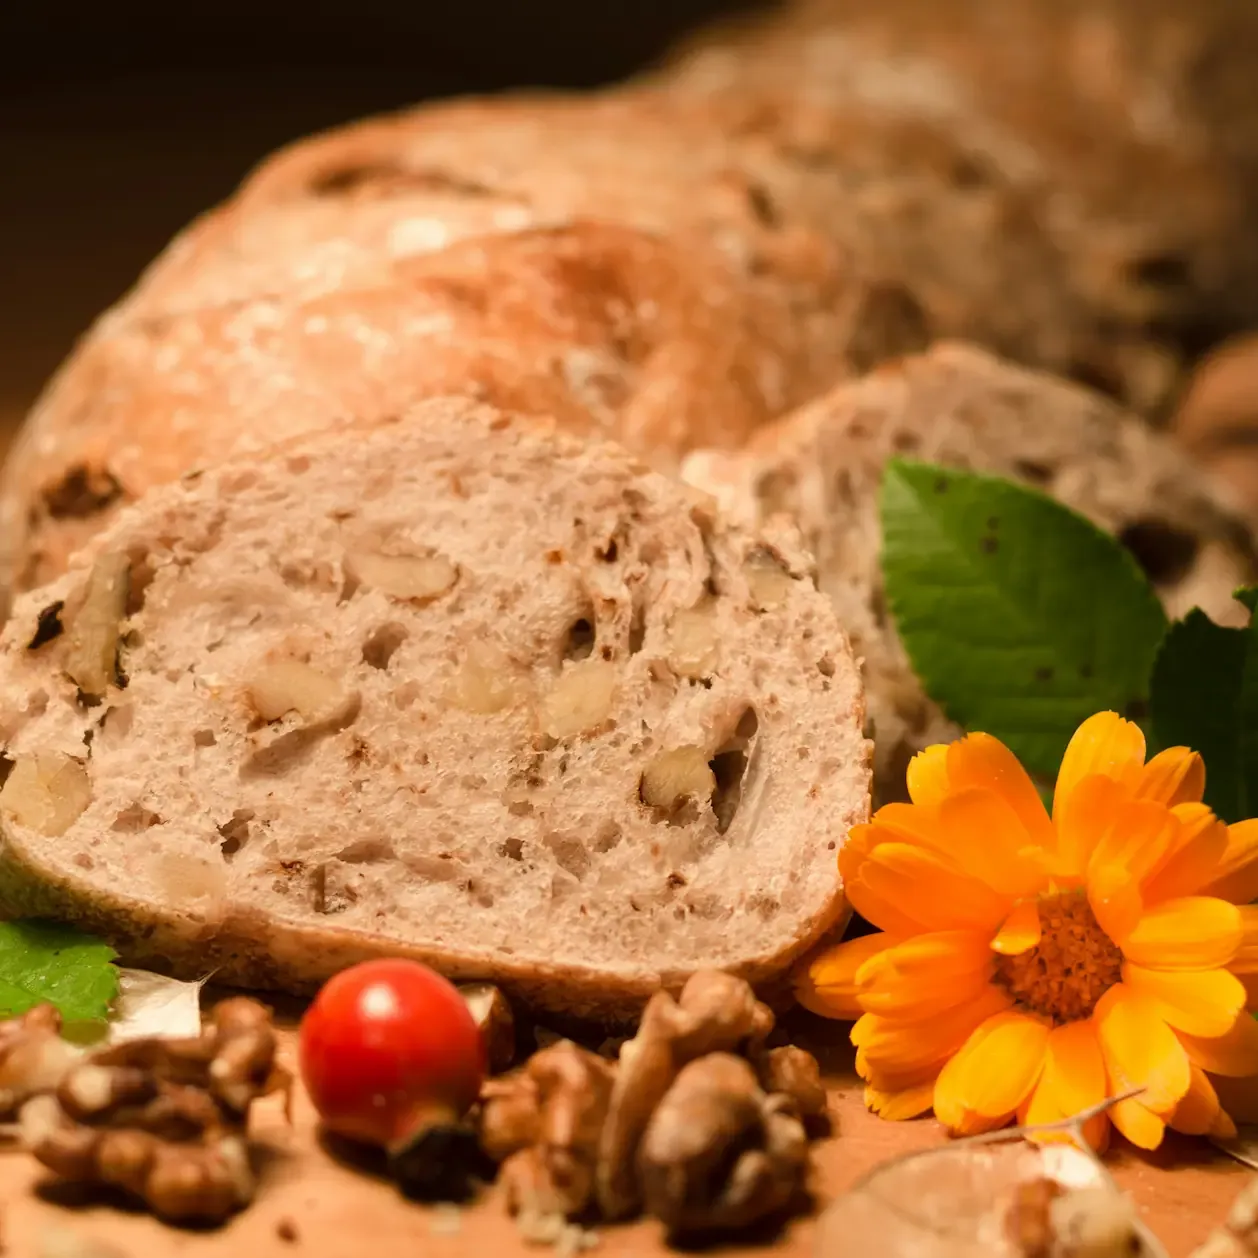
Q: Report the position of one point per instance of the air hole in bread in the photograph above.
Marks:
(891, 323)
(762, 205)
(383, 643)
(825, 666)
(1165, 551)
(569, 853)
(1034, 471)
(579, 644)
(512, 849)
(637, 629)
(48, 626)
(134, 818)
(367, 852)
(235, 832)
(729, 767)
(203, 738)
(6, 767)
(382, 178)
(607, 836)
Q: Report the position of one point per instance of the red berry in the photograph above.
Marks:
(389, 1050)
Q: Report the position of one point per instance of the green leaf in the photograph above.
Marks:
(1020, 617)
(40, 961)
(1205, 696)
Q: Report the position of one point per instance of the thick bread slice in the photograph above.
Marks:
(963, 407)
(459, 688)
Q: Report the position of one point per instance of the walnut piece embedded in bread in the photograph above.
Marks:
(325, 770)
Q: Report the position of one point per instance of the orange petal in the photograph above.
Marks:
(927, 776)
(1193, 861)
(1236, 878)
(1083, 820)
(1193, 933)
(884, 913)
(1223, 1128)
(1138, 839)
(1234, 1054)
(1143, 1128)
(982, 1087)
(1020, 932)
(987, 839)
(1140, 1050)
(925, 975)
(1198, 1112)
(900, 1105)
(1174, 776)
(896, 1046)
(1104, 744)
(1201, 1002)
(1074, 1068)
(1114, 900)
(825, 983)
(981, 762)
(931, 890)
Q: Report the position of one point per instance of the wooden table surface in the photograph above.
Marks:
(336, 1211)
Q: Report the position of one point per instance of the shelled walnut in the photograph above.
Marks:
(164, 1120)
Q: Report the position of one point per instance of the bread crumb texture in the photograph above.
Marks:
(458, 687)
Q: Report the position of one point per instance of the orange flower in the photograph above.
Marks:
(1031, 966)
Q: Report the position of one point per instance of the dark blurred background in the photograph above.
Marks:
(121, 121)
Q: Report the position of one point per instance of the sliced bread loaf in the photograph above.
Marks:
(963, 407)
(457, 687)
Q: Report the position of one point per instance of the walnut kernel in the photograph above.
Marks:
(580, 700)
(770, 584)
(677, 775)
(284, 686)
(418, 578)
(92, 654)
(487, 682)
(693, 647)
(47, 792)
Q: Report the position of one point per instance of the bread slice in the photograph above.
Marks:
(460, 688)
(963, 407)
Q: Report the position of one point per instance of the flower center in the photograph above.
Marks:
(1070, 969)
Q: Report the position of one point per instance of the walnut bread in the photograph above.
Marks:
(963, 407)
(460, 687)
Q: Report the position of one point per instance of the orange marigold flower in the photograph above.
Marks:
(1030, 966)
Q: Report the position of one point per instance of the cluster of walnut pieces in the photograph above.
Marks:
(699, 1124)
(163, 1120)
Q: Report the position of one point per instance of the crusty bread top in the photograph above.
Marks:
(962, 407)
(1132, 126)
(555, 724)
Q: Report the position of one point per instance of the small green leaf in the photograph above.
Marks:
(1020, 617)
(40, 961)
(1205, 696)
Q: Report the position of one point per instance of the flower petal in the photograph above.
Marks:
(900, 1105)
(1104, 744)
(1020, 931)
(1083, 820)
(1194, 859)
(981, 762)
(1140, 1050)
(1234, 1054)
(925, 975)
(1201, 1002)
(1236, 878)
(931, 890)
(987, 839)
(927, 775)
(982, 1087)
(1143, 1128)
(1197, 1113)
(1139, 836)
(825, 983)
(883, 912)
(1074, 1080)
(1174, 776)
(896, 1046)
(1114, 900)
(1193, 933)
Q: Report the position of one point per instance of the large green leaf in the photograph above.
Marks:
(1021, 617)
(40, 961)
(1205, 696)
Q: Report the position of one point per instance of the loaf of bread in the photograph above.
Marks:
(960, 406)
(459, 687)
(1125, 132)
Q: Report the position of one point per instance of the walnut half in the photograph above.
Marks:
(47, 792)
